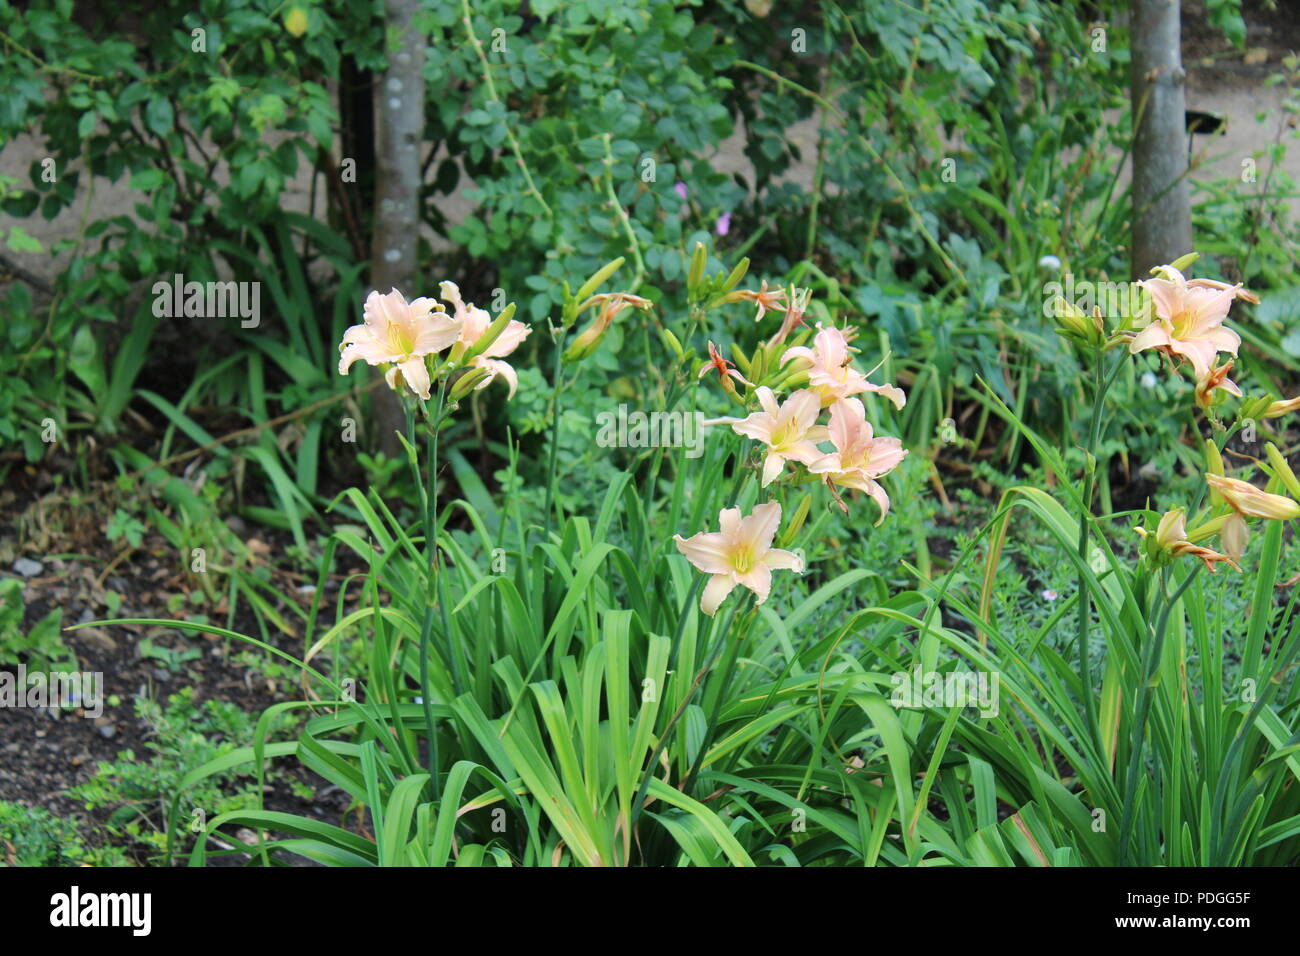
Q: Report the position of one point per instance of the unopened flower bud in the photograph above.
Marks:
(467, 382)
(1282, 468)
(492, 333)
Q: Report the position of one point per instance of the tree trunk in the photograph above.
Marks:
(399, 128)
(1162, 209)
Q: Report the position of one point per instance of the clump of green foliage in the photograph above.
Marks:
(32, 836)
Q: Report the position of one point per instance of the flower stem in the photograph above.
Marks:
(431, 561)
(1101, 385)
(557, 387)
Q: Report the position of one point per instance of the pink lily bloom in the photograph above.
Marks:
(859, 457)
(831, 373)
(399, 333)
(740, 553)
(1189, 318)
(790, 430)
(475, 322)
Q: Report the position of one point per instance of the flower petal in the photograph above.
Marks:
(773, 465)
(759, 580)
(779, 559)
(709, 551)
(416, 374)
(1153, 336)
(719, 586)
(758, 530)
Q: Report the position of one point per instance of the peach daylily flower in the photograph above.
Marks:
(831, 373)
(1247, 501)
(859, 457)
(1171, 536)
(740, 553)
(475, 322)
(399, 333)
(1189, 318)
(790, 431)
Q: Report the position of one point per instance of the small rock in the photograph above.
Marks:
(108, 730)
(97, 637)
(28, 568)
(86, 616)
(161, 675)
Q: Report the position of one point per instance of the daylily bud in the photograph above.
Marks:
(586, 342)
(792, 381)
(741, 360)
(467, 382)
(597, 280)
(492, 334)
(1282, 469)
(796, 520)
(699, 259)
(1278, 409)
(671, 341)
(732, 280)
(1077, 325)
(1207, 530)
(1213, 465)
(295, 21)
(1182, 262)
(1256, 408)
